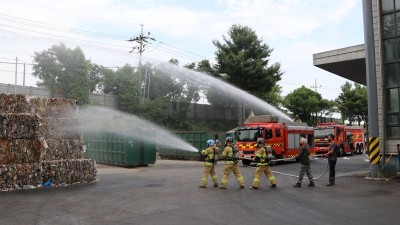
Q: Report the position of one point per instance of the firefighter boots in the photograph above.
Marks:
(311, 184)
(297, 185)
(273, 186)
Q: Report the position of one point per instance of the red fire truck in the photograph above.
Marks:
(349, 138)
(283, 138)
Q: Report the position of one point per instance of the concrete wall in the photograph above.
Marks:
(197, 111)
(105, 100)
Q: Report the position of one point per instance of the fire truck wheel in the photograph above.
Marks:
(358, 149)
(341, 151)
(246, 162)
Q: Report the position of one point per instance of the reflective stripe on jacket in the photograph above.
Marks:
(262, 154)
(228, 155)
(209, 154)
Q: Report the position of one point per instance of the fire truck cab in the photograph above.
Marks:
(349, 138)
(283, 138)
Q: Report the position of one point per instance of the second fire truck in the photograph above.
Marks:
(349, 138)
(283, 138)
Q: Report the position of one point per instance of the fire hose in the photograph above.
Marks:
(291, 175)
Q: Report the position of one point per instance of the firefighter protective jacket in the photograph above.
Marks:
(228, 155)
(261, 155)
(209, 154)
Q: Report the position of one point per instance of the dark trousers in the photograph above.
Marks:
(332, 165)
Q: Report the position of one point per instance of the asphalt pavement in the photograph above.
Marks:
(167, 193)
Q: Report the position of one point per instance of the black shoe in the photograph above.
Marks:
(329, 184)
(242, 187)
(215, 185)
(273, 186)
(297, 185)
(253, 187)
(311, 184)
(222, 187)
(201, 186)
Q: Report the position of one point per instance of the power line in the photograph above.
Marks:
(76, 39)
(182, 49)
(51, 27)
(91, 33)
(59, 28)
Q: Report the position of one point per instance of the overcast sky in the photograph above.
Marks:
(182, 29)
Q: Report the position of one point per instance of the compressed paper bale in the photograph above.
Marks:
(63, 149)
(26, 150)
(18, 126)
(8, 176)
(60, 128)
(6, 153)
(28, 174)
(10, 103)
(19, 151)
(64, 172)
(28, 126)
(53, 107)
(89, 170)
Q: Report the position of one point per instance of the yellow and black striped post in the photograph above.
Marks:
(374, 150)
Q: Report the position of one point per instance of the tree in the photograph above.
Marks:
(125, 84)
(306, 103)
(204, 66)
(242, 60)
(64, 71)
(95, 77)
(353, 102)
(274, 97)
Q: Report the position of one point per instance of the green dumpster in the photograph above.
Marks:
(114, 149)
(197, 139)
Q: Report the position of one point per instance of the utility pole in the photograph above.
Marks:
(316, 86)
(23, 82)
(16, 75)
(142, 40)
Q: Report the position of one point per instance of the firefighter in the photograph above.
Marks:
(332, 158)
(263, 157)
(305, 163)
(351, 141)
(209, 156)
(231, 164)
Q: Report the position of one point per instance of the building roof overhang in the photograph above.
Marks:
(347, 62)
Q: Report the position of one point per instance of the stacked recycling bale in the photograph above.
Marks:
(41, 141)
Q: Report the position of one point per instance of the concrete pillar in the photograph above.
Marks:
(373, 124)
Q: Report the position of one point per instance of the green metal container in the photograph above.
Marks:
(110, 148)
(197, 139)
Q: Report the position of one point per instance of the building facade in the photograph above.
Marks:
(375, 64)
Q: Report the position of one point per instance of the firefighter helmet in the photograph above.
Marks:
(228, 139)
(210, 142)
(260, 141)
